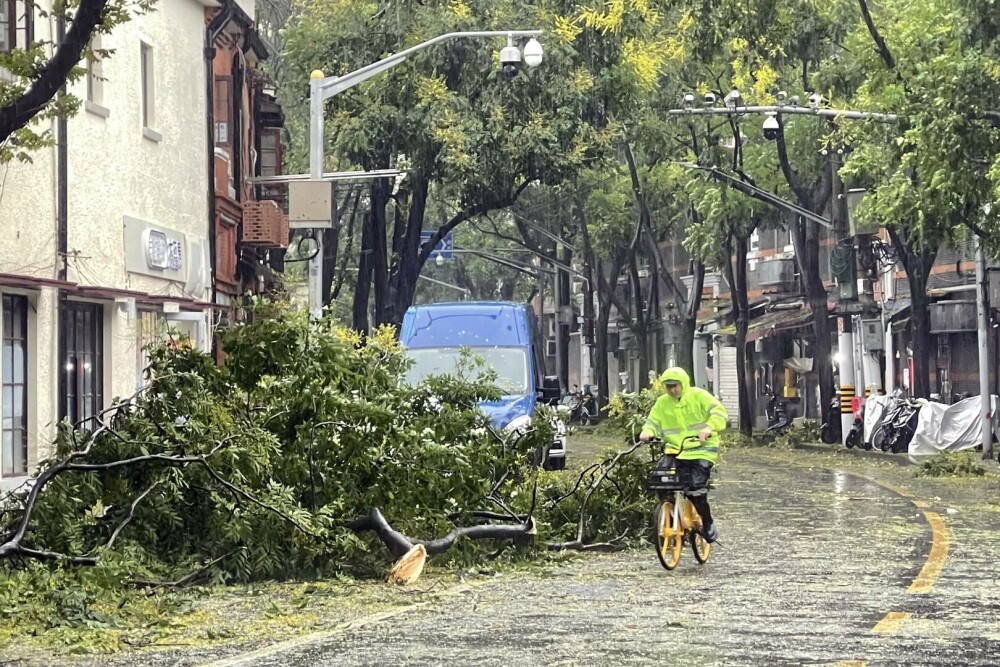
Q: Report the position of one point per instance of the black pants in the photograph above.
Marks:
(697, 473)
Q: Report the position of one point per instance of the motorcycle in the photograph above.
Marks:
(856, 436)
(578, 407)
(776, 412)
(828, 432)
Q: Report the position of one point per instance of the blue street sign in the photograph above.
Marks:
(444, 246)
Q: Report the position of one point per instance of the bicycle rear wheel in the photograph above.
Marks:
(665, 536)
(699, 545)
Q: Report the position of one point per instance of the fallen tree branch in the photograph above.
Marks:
(399, 544)
(153, 585)
(575, 545)
(486, 515)
(606, 467)
(131, 514)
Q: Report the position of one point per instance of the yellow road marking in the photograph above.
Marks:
(940, 541)
(852, 663)
(891, 623)
(940, 544)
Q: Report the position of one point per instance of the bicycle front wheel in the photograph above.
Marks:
(667, 537)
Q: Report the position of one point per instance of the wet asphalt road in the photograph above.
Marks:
(815, 566)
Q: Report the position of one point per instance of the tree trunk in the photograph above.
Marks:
(380, 254)
(918, 267)
(642, 343)
(362, 289)
(409, 264)
(920, 339)
(601, 353)
(331, 245)
(680, 337)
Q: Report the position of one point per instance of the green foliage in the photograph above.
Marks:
(803, 433)
(620, 511)
(312, 424)
(627, 411)
(953, 464)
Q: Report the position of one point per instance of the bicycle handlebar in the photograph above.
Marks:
(654, 440)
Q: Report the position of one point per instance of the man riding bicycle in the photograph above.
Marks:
(684, 412)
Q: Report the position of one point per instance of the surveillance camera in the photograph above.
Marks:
(815, 100)
(688, 101)
(733, 99)
(771, 127)
(709, 99)
(510, 60)
(794, 100)
(781, 96)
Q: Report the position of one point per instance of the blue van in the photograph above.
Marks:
(501, 333)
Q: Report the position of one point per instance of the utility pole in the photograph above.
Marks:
(985, 395)
(557, 314)
(846, 351)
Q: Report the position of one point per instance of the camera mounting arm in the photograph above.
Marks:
(324, 87)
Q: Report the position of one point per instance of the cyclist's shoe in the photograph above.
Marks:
(710, 535)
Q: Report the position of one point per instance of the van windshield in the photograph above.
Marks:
(509, 363)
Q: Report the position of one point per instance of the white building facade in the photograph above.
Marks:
(105, 244)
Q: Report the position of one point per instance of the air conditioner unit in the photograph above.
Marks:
(776, 272)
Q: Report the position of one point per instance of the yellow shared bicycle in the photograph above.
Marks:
(675, 520)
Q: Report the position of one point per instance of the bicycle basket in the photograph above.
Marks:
(666, 475)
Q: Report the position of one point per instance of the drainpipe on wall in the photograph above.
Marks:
(62, 237)
(212, 32)
(62, 170)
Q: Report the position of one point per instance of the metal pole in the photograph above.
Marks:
(557, 300)
(316, 159)
(860, 377)
(888, 292)
(846, 114)
(986, 396)
(845, 362)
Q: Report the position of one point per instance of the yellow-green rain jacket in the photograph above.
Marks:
(673, 420)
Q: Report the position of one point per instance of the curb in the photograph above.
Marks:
(898, 459)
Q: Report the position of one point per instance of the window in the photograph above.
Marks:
(14, 452)
(270, 162)
(148, 88)
(223, 111)
(510, 364)
(95, 74)
(82, 333)
(16, 24)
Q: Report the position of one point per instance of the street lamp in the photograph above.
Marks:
(323, 88)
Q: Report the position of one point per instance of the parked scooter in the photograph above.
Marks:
(856, 436)
(776, 412)
(828, 432)
(578, 407)
(897, 426)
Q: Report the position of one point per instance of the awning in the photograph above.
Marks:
(714, 311)
(772, 322)
(895, 309)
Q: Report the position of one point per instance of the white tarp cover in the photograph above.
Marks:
(949, 428)
(875, 407)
